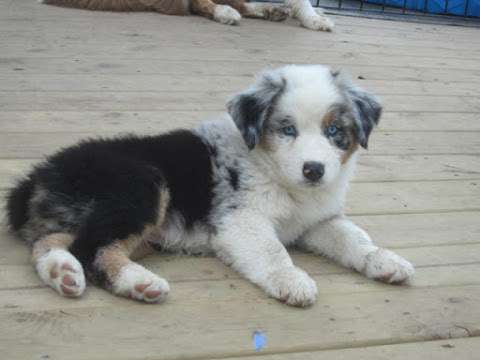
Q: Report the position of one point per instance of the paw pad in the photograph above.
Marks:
(60, 270)
(386, 266)
(138, 283)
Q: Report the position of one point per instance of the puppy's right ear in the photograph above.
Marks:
(250, 109)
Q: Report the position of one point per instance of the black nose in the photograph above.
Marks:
(313, 170)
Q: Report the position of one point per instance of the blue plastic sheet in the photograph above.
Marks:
(454, 7)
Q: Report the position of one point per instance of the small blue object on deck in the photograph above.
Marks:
(450, 7)
(259, 340)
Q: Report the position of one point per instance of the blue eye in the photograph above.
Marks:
(332, 130)
(290, 130)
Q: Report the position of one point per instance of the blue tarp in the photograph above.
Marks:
(454, 7)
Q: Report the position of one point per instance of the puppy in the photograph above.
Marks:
(272, 173)
(224, 11)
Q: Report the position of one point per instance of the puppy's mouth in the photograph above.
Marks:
(312, 184)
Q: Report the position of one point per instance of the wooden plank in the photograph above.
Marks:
(36, 145)
(157, 121)
(108, 65)
(465, 349)
(156, 52)
(412, 230)
(180, 83)
(413, 197)
(332, 43)
(369, 168)
(222, 319)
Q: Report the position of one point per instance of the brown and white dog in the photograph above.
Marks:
(224, 11)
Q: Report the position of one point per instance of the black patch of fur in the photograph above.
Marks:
(251, 109)
(17, 204)
(111, 187)
(369, 112)
(365, 110)
(233, 178)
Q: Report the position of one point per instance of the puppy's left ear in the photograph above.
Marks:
(365, 108)
(251, 108)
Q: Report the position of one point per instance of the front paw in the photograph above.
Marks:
(226, 15)
(384, 265)
(318, 22)
(292, 286)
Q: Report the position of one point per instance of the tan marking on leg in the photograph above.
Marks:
(238, 5)
(113, 257)
(52, 241)
(203, 7)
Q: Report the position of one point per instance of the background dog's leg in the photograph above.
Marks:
(309, 18)
(113, 268)
(343, 241)
(56, 266)
(265, 11)
(221, 13)
(249, 244)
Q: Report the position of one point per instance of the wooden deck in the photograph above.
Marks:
(67, 74)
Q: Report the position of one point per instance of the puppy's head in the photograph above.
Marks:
(305, 121)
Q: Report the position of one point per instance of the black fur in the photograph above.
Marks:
(107, 189)
(233, 178)
(364, 108)
(367, 115)
(251, 110)
(17, 204)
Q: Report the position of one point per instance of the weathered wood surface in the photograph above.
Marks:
(68, 74)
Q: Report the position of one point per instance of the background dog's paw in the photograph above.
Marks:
(293, 286)
(385, 265)
(62, 271)
(226, 15)
(276, 13)
(318, 22)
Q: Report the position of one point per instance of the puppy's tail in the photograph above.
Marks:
(18, 200)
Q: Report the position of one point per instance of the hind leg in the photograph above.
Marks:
(222, 13)
(265, 11)
(56, 266)
(123, 277)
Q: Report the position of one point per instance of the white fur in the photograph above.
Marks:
(132, 275)
(311, 18)
(276, 208)
(57, 261)
(226, 15)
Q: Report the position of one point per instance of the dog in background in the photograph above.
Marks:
(224, 11)
(272, 173)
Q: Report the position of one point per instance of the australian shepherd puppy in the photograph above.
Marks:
(272, 173)
(224, 11)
